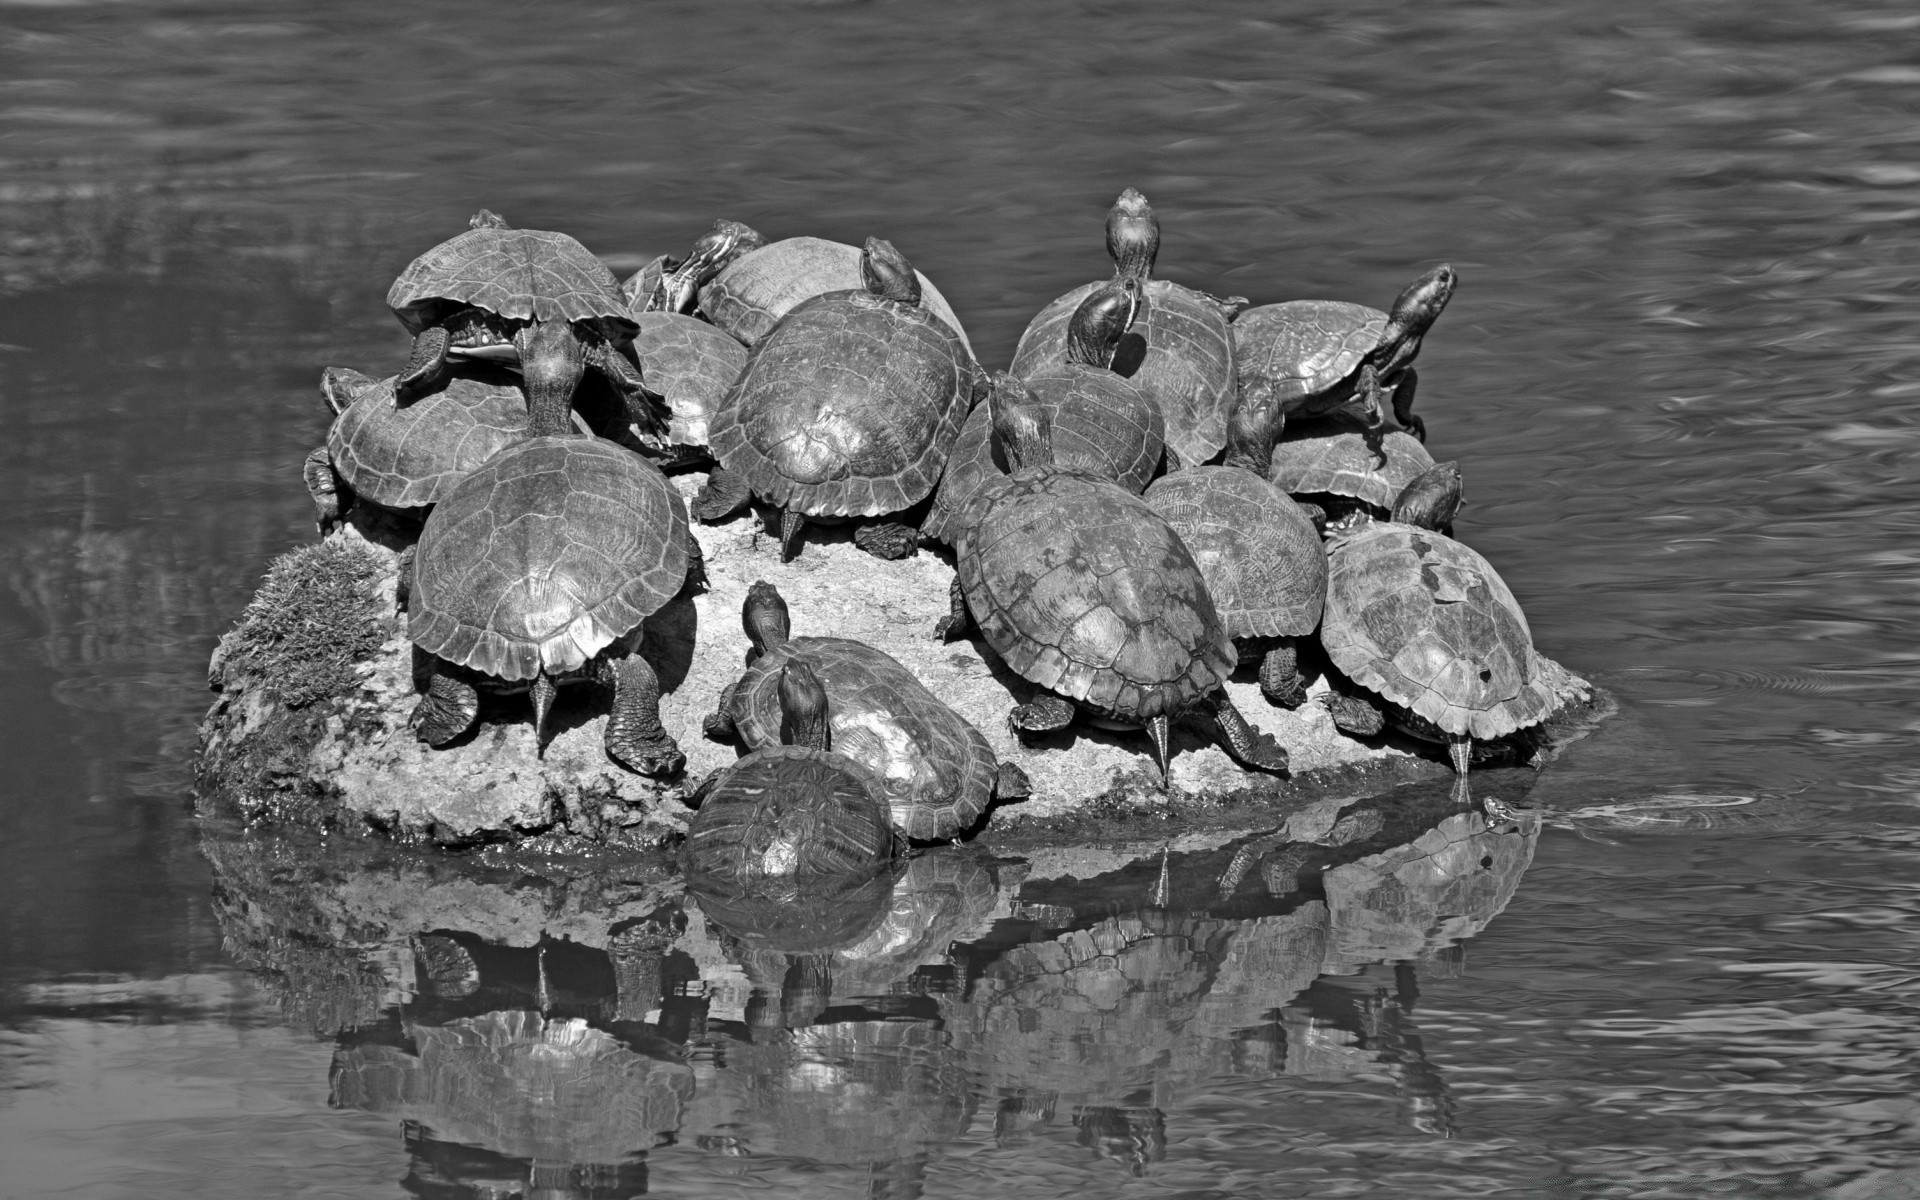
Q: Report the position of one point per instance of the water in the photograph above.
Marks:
(1678, 374)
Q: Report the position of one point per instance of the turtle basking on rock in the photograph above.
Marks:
(937, 771)
(848, 408)
(1338, 471)
(1185, 360)
(692, 365)
(1080, 587)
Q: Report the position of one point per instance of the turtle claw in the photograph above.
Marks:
(656, 761)
(1045, 713)
(724, 494)
(1353, 716)
(890, 541)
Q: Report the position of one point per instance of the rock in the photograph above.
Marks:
(312, 729)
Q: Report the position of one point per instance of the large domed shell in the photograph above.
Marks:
(410, 456)
(935, 769)
(750, 296)
(1303, 347)
(543, 556)
(692, 364)
(789, 810)
(1260, 555)
(522, 274)
(1188, 368)
(1083, 589)
(849, 408)
(1342, 465)
(1427, 623)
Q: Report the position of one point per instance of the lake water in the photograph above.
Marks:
(1680, 374)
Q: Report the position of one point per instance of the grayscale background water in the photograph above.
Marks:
(1680, 373)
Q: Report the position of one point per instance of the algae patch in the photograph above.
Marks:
(312, 622)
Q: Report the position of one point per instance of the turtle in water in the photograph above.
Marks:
(1317, 357)
(1082, 588)
(1258, 551)
(1426, 624)
(483, 293)
(794, 809)
(1185, 363)
(407, 457)
(1338, 471)
(848, 408)
(1101, 421)
(937, 771)
(537, 569)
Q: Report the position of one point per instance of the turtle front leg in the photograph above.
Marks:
(403, 581)
(646, 408)
(635, 738)
(1247, 745)
(427, 365)
(958, 620)
(448, 709)
(1403, 404)
(331, 499)
(696, 580)
(1045, 713)
(1280, 680)
(725, 493)
(792, 525)
(893, 540)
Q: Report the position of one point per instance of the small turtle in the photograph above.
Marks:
(1316, 357)
(407, 457)
(483, 294)
(1082, 588)
(1427, 624)
(1101, 421)
(745, 285)
(537, 569)
(692, 365)
(1258, 551)
(937, 771)
(1334, 471)
(1185, 363)
(792, 809)
(848, 409)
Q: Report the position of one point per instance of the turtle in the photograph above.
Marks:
(1339, 472)
(745, 285)
(1185, 359)
(848, 409)
(790, 810)
(1316, 357)
(539, 568)
(1258, 551)
(483, 293)
(407, 457)
(692, 365)
(1080, 587)
(1101, 421)
(937, 771)
(1426, 624)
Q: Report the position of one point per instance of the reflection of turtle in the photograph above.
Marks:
(940, 898)
(937, 771)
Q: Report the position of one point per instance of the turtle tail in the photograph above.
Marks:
(543, 691)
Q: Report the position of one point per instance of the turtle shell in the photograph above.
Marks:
(1082, 588)
(1427, 623)
(692, 364)
(1303, 347)
(849, 408)
(521, 274)
(789, 811)
(1101, 423)
(1187, 371)
(1342, 465)
(543, 556)
(935, 769)
(750, 296)
(410, 456)
(1260, 555)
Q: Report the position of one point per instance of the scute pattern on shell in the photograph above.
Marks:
(935, 769)
(523, 274)
(849, 408)
(1083, 589)
(1188, 369)
(692, 364)
(1260, 555)
(545, 555)
(1303, 347)
(748, 298)
(1429, 624)
(814, 811)
(1343, 466)
(412, 456)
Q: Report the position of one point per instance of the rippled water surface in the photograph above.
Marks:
(1680, 375)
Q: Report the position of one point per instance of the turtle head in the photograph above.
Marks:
(803, 707)
(887, 273)
(1432, 499)
(716, 249)
(764, 615)
(486, 218)
(1414, 312)
(340, 385)
(1020, 424)
(1094, 333)
(1133, 236)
